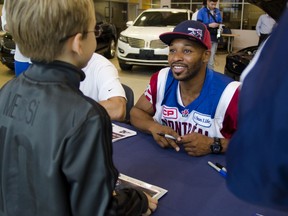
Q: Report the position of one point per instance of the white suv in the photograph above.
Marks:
(139, 44)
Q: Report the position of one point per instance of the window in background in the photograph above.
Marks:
(237, 14)
(231, 14)
(251, 13)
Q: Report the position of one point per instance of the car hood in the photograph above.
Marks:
(146, 33)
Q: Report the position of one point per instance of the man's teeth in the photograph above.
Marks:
(178, 67)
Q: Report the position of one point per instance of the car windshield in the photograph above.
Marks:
(165, 18)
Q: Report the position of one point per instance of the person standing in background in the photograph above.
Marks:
(264, 27)
(211, 17)
(21, 62)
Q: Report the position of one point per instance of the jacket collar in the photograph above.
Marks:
(56, 71)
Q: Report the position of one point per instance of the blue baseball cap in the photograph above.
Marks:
(190, 30)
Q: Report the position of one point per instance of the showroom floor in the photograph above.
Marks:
(137, 79)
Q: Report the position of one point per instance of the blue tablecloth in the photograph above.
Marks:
(194, 188)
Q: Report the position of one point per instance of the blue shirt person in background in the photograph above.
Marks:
(21, 62)
(211, 17)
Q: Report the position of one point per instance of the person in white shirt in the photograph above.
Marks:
(264, 27)
(195, 14)
(103, 85)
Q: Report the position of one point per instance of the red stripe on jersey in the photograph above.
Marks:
(151, 91)
(230, 119)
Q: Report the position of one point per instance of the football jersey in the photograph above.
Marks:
(205, 115)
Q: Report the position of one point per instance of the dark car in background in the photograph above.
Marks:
(7, 50)
(106, 42)
(237, 62)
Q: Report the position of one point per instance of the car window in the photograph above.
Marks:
(160, 18)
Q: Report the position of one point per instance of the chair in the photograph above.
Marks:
(130, 101)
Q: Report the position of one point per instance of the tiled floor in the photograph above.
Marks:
(137, 79)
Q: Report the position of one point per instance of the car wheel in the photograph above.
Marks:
(111, 50)
(124, 66)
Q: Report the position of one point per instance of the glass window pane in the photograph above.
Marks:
(231, 14)
(251, 14)
(180, 5)
(230, 1)
(178, 1)
(196, 7)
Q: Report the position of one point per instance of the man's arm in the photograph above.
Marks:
(116, 107)
(196, 144)
(141, 116)
(103, 85)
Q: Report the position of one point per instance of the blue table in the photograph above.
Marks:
(194, 188)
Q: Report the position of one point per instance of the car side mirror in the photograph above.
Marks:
(129, 23)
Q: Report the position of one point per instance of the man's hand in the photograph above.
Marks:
(196, 144)
(214, 25)
(165, 142)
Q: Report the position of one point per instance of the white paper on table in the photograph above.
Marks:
(119, 132)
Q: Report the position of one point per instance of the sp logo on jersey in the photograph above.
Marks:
(170, 113)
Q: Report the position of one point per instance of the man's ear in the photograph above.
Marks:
(77, 44)
(206, 56)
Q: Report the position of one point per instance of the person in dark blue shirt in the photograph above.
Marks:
(257, 157)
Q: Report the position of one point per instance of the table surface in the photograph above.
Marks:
(194, 188)
(230, 35)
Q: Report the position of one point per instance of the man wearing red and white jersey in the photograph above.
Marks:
(188, 101)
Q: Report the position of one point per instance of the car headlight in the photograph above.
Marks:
(123, 38)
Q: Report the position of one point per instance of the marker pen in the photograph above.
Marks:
(223, 173)
(221, 167)
(167, 136)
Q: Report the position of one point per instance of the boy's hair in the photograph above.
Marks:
(40, 27)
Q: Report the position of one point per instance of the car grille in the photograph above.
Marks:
(157, 44)
(139, 43)
(154, 57)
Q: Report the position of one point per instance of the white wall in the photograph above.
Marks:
(165, 3)
(246, 38)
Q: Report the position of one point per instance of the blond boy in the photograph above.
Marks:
(55, 143)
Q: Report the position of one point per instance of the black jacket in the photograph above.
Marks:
(56, 149)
